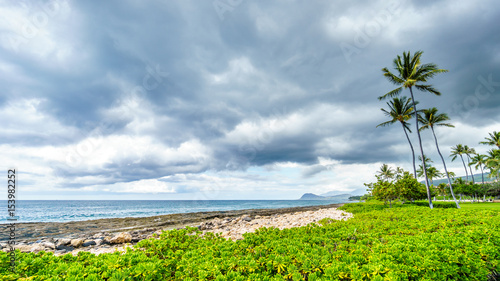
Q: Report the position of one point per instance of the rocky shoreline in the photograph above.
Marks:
(109, 235)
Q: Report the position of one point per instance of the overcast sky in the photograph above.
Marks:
(230, 99)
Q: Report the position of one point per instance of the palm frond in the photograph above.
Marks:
(387, 123)
(428, 88)
(430, 74)
(391, 94)
(494, 139)
(406, 126)
(445, 125)
(391, 77)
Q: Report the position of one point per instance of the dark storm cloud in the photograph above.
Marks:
(193, 74)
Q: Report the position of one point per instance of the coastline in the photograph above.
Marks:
(38, 230)
(109, 233)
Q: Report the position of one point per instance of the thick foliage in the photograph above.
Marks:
(377, 206)
(404, 188)
(476, 189)
(402, 243)
(493, 189)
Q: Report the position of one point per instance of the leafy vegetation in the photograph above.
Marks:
(489, 206)
(395, 185)
(406, 242)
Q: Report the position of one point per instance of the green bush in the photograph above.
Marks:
(377, 205)
(406, 242)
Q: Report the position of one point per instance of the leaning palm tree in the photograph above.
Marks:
(458, 150)
(494, 139)
(479, 160)
(429, 119)
(469, 151)
(400, 109)
(386, 172)
(412, 73)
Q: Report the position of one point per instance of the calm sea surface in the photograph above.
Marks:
(79, 210)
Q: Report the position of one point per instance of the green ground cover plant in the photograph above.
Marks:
(491, 206)
(406, 242)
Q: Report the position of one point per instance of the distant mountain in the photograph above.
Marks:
(311, 196)
(337, 193)
(477, 178)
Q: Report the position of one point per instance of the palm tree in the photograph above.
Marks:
(432, 173)
(399, 173)
(493, 162)
(458, 150)
(386, 172)
(479, 160)
(468, 151)
(429, 119)
(442, 190)
(494, 139)
(427, 162)
(401, 110)
(411, 73)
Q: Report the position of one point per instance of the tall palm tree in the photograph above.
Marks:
(412, 73)
(386, 172)
(479, 160)
(494, 139)
(400, 109)
(458, 150)
(469, 151)
(429, 119)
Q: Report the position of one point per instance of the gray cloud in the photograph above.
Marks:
(181, 91)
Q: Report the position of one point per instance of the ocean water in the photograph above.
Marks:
(80, 210)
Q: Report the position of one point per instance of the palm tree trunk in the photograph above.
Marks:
(446, 170)
(412, 152)
(421, 151)
(482, 174)
(471, 174)
(466, 173)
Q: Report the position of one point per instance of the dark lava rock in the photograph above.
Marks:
(65, 248)
(89, 243)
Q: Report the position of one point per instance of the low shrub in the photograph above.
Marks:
(406, 242)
